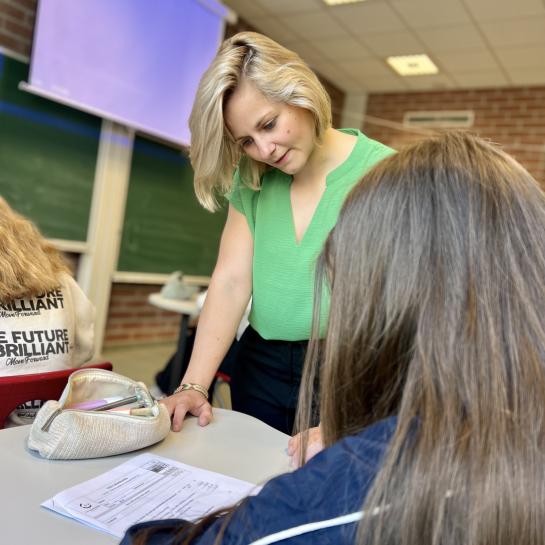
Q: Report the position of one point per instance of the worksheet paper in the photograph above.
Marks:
(148, 487)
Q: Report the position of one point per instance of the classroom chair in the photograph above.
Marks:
(17, 389)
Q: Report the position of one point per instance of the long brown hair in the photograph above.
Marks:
(437, 275)
(29, 264)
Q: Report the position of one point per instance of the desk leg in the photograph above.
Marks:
(176, 370)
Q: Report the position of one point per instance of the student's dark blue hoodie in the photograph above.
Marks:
(319, 503)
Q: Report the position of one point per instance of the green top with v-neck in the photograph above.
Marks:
(283, 269)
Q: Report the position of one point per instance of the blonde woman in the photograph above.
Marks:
(432, 402)
(261, 134)
(47, 321)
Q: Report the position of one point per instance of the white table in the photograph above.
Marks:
(187, 309)
(233, 444)
(186, 306)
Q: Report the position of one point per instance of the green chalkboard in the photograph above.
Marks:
(165, 228)
(47, 157)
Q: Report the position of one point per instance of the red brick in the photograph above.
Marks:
(29, 4)
(17, 27)
(18, 46)
(116, 337)
(12, 11)
(136, 303)
(117, 314)
(136, 325)
(532, 140)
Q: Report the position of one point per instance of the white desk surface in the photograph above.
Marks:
(175, 305)
(233, 444)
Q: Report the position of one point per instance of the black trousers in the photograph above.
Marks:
(266, 378)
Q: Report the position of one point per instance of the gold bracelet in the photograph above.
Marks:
(190, 386)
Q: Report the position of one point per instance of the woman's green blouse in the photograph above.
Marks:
(283, 269)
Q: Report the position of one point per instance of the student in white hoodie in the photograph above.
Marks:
(46, 321)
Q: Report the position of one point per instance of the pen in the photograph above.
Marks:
(118, 403)
(92, 403)
(103, 404)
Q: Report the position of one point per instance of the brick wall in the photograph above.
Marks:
(132, 320)
(514, 118)
(17, 24)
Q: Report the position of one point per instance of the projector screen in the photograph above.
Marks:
(137, 62)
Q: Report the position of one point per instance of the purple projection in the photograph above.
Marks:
(137, 62)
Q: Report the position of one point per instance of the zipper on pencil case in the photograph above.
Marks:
(56, 412)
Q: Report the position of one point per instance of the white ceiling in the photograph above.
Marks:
(474, 43)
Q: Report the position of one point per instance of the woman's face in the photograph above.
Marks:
(273, 133)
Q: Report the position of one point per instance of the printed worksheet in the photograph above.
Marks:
(148, 487)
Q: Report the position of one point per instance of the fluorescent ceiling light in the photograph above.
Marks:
(337, 2)
(413, 65)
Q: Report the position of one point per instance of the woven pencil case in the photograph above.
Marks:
(61, 432)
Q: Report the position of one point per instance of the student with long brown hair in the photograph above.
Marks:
(432, 371)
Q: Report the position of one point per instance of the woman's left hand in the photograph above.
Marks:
(314, 446)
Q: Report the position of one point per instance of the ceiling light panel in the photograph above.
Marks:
(339, 2)
(412, 65)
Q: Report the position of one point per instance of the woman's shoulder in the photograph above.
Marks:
(244, 197)
(77, 299)
(68, 284)
(241, 196)
(240, 187)
(368, 144)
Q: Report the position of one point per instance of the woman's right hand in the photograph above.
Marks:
(188, 401)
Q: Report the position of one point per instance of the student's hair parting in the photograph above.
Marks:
(436, 269)
(29, 264)
(279, 74)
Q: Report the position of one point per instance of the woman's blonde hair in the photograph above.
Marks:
(437, 275)
(279, 74)
(29, 265)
